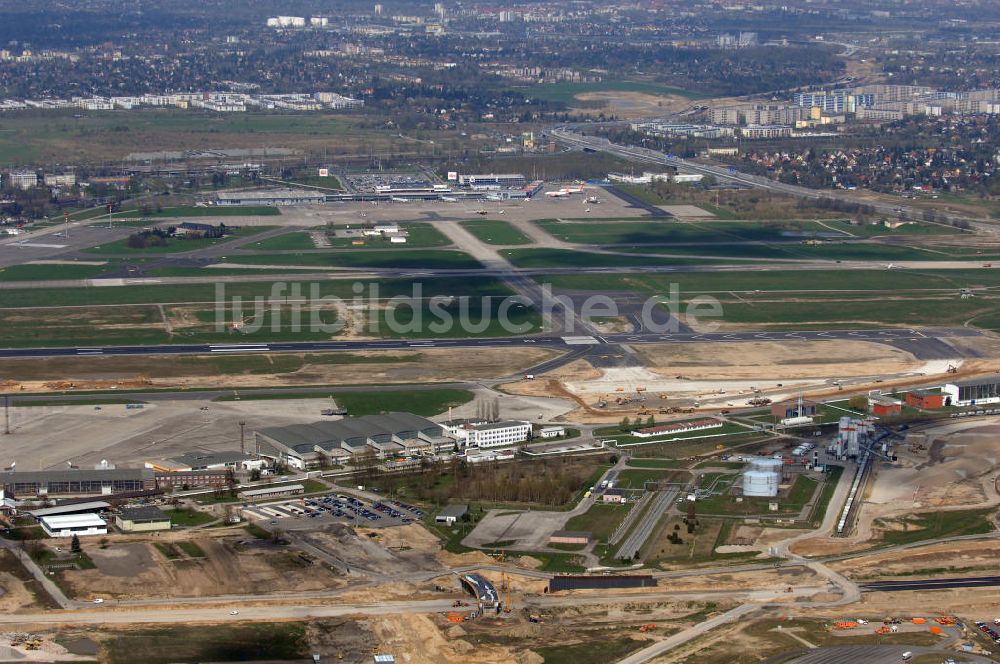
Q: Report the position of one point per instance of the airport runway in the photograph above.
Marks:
(894, 336)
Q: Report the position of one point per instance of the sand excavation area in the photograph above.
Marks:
(718, 375)
(201, 566)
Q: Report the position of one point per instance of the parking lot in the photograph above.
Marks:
(304, 513)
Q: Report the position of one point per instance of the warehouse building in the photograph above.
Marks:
(272, 197)
(225, 460)
(142, 519)
(72, 508)
(270, 492)
(76, 482)
(972, 392)
(306, 445)
(67, 525)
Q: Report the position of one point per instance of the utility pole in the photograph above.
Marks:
(243, 449)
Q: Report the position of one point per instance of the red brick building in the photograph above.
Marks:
(925, 399)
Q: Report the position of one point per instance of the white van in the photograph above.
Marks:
(907, 656)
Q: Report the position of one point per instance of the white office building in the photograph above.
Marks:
(494, 434)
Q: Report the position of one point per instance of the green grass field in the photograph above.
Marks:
(27, 272)
(542, 258)
(202, 211)
(176, 245)
(791, 281)
(189, 518)
(394, 258)
(53, 297)
(668, 231)
(469, 318)
(565, 92)
(419, 235)
(938, 525)
(600, 520)
(832, 251)
(495, 232)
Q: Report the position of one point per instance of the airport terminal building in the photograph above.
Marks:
(306, 445)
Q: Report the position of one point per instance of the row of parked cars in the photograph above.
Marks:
(989, 631)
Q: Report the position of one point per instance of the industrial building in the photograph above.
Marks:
(552, 432)
(794, 408)
(190, 479)
(68, 525)
(972, 392)
(191, 461)
(883, 406)
(852, 435)
(492, 181)
(926, 399)
(613, 496)
(76, 482)
(72, 508)
(272, 492)
(272, 197)
(142, 519)
(451, 513)
(492, 434)
(762, 477)
(304, 445)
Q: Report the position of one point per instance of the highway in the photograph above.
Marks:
(569, 342)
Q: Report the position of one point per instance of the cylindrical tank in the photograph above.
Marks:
(760, 483)
(766, 464)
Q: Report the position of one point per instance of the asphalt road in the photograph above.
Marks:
(931, 584)
(895, 336)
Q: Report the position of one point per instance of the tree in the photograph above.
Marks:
(74, 545)
(858, 402)
(650, 421)
(625, 422)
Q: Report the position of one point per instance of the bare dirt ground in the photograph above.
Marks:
(770, 360)
(199, 371)
(958, 470)
(137, 571)
(425, 643)
(633, 104)
(727, 374)
(958, 557)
